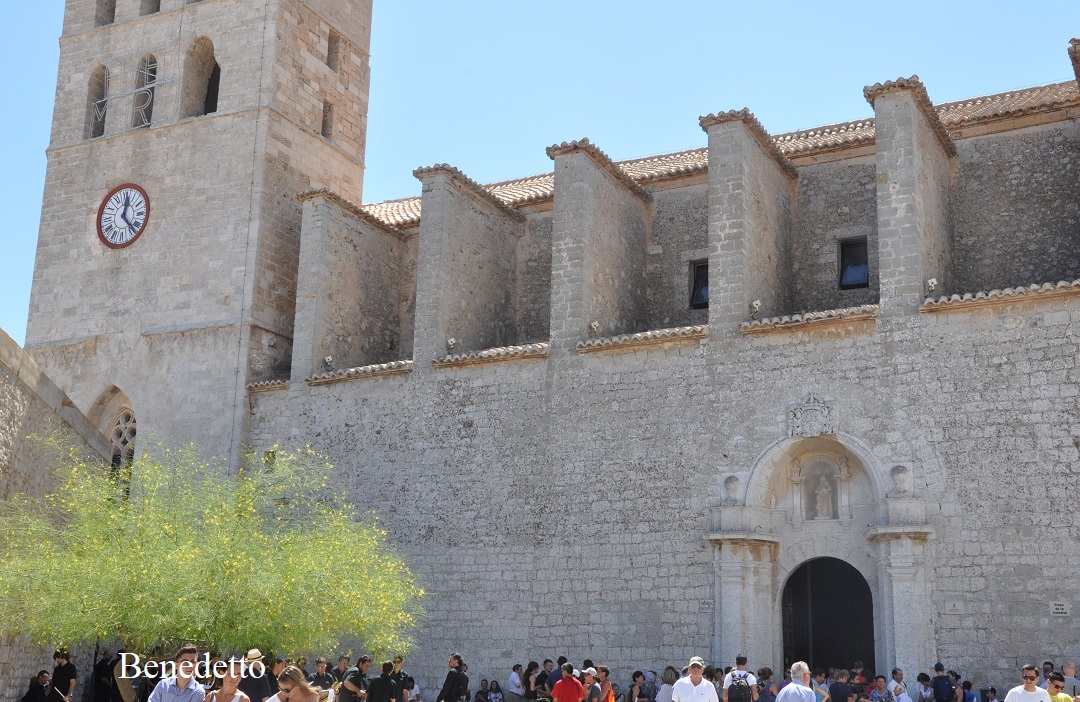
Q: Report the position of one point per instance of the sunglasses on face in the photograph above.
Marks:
(1030, 677)
(286, 690)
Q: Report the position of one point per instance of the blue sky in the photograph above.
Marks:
(486, 85)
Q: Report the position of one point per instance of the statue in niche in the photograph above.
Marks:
(903, 484)
(731, 490)
(822, 504)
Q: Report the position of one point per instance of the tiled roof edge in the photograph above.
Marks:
(839, 136)
(353, 209)
(471, 185)
(1074, 54)
(499, 353)
(361, 372)
(647, 338)
(1061, 288)
(756, 130)
(602, 160)
(265, 385)
(796, 320)
(922, 100)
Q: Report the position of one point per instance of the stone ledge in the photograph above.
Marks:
(774, 324)
(756, 130)
(355, 210)
(268, 385)
(601, 159)
(377, 370)
(1005, 296)
(495, 355)
(922, 100)
(743, 537)
(917, 532)
(648, 338)
(471, 185)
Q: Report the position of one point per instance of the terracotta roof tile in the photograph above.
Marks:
(954, 115)
(601, 159)
(787, 321)
(756, 131)
(647, 338)
(922, 100)
(1046, 291)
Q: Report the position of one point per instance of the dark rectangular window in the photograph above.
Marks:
(699, 285)
(854, 266)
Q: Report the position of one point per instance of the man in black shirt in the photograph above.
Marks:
(256, 688)
(354, 687)
(320, 678)
(383, 688)
(63, 678)
(399, 676)
(103, 678)
(38, 685)
(341, 669)
(840, 691)
(456, 685)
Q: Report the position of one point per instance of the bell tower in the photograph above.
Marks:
(183, 131)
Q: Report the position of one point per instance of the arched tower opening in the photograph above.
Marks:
(202, 80)
(112, 413)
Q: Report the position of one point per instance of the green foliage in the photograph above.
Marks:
(176, 549)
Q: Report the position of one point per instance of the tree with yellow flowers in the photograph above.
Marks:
(175, 548)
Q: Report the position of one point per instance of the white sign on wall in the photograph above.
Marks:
(1059, 609)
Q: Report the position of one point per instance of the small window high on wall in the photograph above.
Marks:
(854, 264)
(333, 50)
(699, 285)
(106, 12)
(327, 120)
(202, 80)
(149, 7)
(97, 102)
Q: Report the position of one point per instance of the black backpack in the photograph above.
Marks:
(739, 688)
(944, 690)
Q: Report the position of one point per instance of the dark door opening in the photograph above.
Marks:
(828, 616)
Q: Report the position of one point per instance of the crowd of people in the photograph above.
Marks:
(287, 680)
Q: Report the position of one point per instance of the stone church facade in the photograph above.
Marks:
(810, 395)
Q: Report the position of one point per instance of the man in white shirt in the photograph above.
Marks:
(514, 689)
(1030, 690)
(694, 687)
(799, 689)
(897, 679)
(743, 675)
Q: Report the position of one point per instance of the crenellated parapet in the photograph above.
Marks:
(914, 172)
(751, 202)
(466, 267)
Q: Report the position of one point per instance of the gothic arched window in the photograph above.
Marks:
(202, 78)
(145, 79)
(122, 438)
(97, 102)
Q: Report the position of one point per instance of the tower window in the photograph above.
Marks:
(106, 12)
(97, 102)
(145, 78)
(854, 266)
(699, 285)
(327, 120)
(149, 7)
(202, 80)
(122, 438)
(333, 50)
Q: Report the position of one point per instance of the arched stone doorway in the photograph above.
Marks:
(827, 613)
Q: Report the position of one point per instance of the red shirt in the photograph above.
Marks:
(567, 690)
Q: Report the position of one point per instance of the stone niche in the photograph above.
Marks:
(817, 479)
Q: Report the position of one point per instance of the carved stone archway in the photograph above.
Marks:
(819, 493)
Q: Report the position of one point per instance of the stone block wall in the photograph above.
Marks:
(349, 298)
(678, 237)
(599, 231)
(533, 280)
(466, 268)
(750, 212)
(1015, 208)
(33, 406)
(836, 202)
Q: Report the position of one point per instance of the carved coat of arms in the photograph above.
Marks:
(812, 417)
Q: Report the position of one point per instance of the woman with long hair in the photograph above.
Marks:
(293, 687)
(528, 681)
(228, 686)
(495, 693)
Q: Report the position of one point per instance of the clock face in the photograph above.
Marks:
(123, 215)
